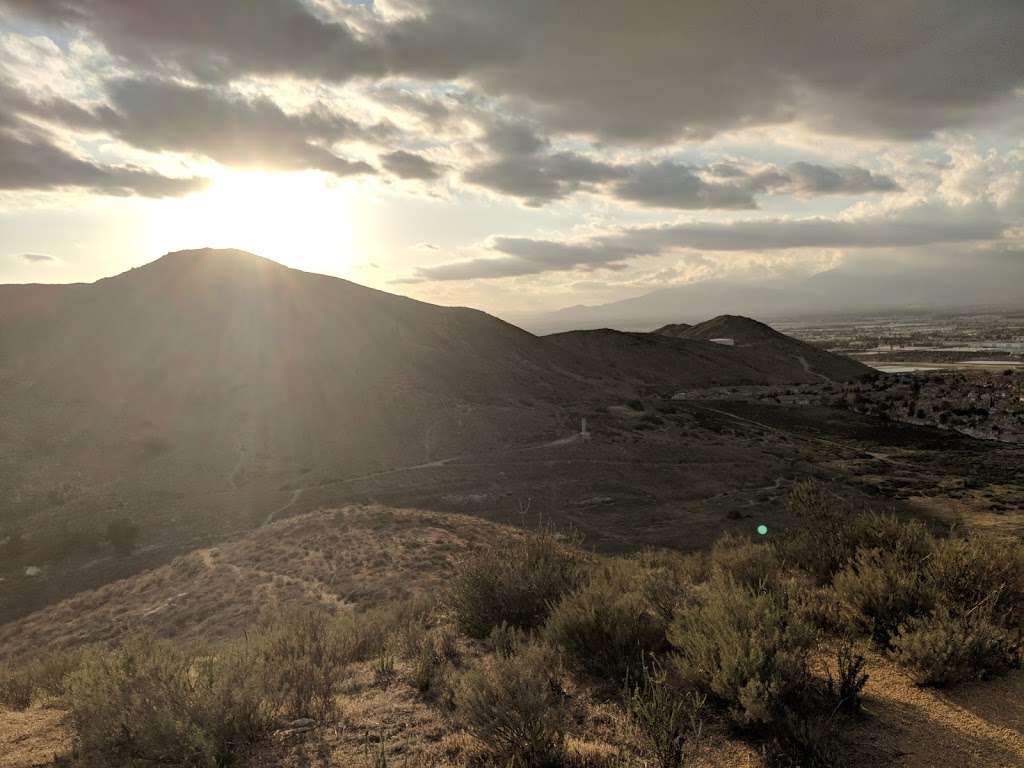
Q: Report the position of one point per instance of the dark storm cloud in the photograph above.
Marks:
(670, 185)
(161, 115)
(811, 179)
(30, 160)
(213, 39)
(913, 227)
(409, 165)
(671, 69)
(539, 179)
(511, 139)
(542, 178)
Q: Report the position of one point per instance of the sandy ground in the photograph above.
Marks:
(979, 724)
(32, 738)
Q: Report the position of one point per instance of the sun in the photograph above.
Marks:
(304, 219)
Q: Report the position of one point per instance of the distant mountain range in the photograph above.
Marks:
(996, 283)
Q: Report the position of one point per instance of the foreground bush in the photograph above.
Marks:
(804, 741)
(748, 563)
(517, 584)
(300, 658)
(879, 591)
(366, 634)
(846, 683)
(17, 687)
(828, 532)
(981, 573)
(148, 702)
(607, 627)
(23, 681)
(670, 720)
(152, 702)
(515, 706)
(746, 648)
(943, 648)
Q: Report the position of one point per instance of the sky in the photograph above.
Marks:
(513, 156)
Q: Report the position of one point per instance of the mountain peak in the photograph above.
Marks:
(218, 256)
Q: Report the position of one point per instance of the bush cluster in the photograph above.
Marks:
(517, 585)
(949, 609)
(728, 633)
(608, 627)
(515, 705)
(747, 648)
(23, 681)
(153, 701)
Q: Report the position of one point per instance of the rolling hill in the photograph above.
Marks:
(206, 392)
(684, 356)
(195, 393)
(753, 337)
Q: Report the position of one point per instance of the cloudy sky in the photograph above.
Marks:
(516, 156)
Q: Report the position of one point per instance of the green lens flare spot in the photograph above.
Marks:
(762, 529)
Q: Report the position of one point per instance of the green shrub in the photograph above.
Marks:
(669, 720)
(607, 627)
(17, 687)
(515, 706)
(849, 679)
(878, 591)
(364, 635)
(981, 573)
(746, 648)
(504, 640)
(425, 666)
(667, 577)
(804, 741)
(816, 540)
(746, 562)
(230, 705)
(517, 584)
(51, 670)
(301, 658)
(909, 540)
(148, 702)
(827, 533)
(943, 648)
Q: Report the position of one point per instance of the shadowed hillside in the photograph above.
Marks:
(206, 392)
(192, 395)
(761, 341)
(684, 356)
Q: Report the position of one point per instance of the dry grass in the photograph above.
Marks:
(351, 557)
(361, 556)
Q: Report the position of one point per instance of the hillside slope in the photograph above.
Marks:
(753, 337)
(367, 558)
(683, 356)
(194, 393)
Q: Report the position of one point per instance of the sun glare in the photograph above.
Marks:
(302, 219)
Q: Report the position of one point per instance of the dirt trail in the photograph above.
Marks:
(807, 367)
(297, 493)
(979, 725)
